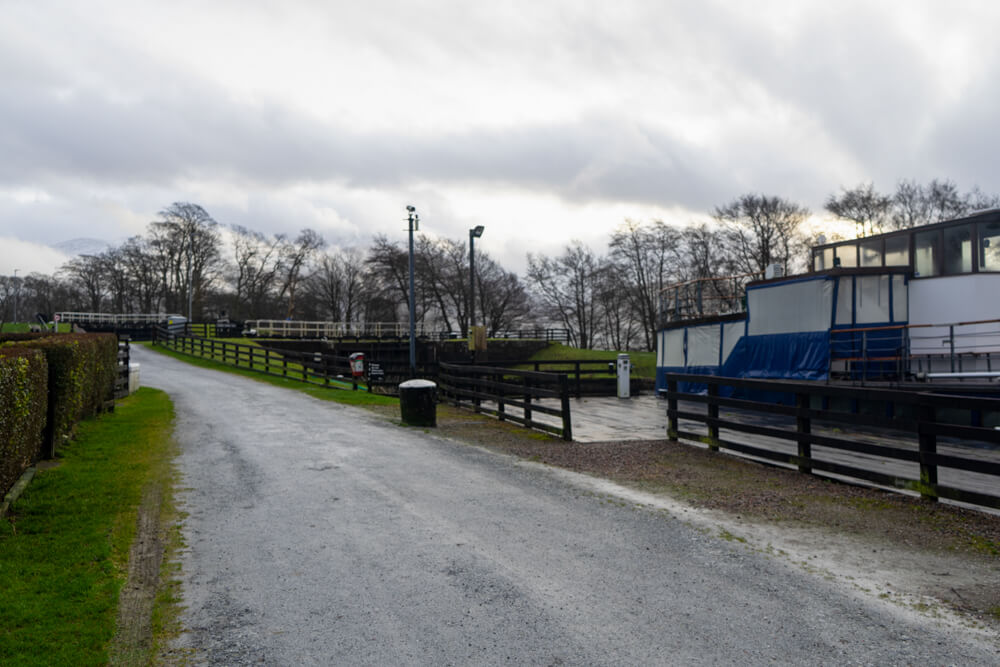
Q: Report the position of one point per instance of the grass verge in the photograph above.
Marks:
(643, 363)
(64, 547)
(345, 396)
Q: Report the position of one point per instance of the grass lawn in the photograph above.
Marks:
(643, 363)
(64, 546)
(254, 356)
(25, 327)
(338, 395)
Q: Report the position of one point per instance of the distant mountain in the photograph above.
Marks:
(82, 246)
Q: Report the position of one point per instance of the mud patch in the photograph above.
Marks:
(133, 637)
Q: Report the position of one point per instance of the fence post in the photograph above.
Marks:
(567, 422)
(527, 401)
(951, 345)
(713, 414)
(864, 356)
(579, 390)
(926, 418)
(672, 426)
(500, 403)
(803, 426)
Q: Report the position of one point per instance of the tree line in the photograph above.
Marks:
(606, 298)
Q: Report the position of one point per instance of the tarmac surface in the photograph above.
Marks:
(319, 534)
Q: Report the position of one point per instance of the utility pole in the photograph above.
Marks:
(414, 221)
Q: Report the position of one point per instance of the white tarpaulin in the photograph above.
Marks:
(673, 347)
(872, 299)
(790, 307)
(845, 301)
(703, 345)
(731, 334)
(899, 299)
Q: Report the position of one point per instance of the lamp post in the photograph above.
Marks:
(190, 286)
(474, 234)
(414, 221)
(17, 291)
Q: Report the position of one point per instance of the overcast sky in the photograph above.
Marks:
(543, 121)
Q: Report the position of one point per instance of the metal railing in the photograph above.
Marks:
(704, 297)
(378, 330)
(958, 350)
(113, 318)
(304, 329)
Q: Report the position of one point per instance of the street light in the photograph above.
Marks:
(474, 234)
(414, 221)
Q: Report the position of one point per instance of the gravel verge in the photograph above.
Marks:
(932, 558)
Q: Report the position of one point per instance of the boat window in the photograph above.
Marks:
(958, 249)
(845, 301)
(927, 252)
(899, 299)
(822, 259)
(847, 255)
(871, 253)
(897, 250)
(989, 246)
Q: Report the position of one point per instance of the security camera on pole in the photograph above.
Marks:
(417, 398)
(414, 220)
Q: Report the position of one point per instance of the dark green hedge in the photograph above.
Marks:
(21, 337)
(23, 403)
(82, 370)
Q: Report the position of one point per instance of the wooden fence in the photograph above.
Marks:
(318, 368)
(910, 425)
(470, 386)
(585, 376)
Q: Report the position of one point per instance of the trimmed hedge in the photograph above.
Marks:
(23, 404)
(82, 370)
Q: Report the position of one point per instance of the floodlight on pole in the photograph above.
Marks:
(474, 233)
(414, 221)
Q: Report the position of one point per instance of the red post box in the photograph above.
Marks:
(357, 364)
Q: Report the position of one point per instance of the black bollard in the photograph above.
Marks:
(418, 402)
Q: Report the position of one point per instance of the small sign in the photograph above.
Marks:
(56, 317)
(375, 370)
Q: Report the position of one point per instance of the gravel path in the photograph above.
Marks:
(320, 534)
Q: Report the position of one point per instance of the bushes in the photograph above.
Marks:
(75, 375)
(23, 402)
(82, 371)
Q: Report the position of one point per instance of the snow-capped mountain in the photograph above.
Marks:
(81, 246)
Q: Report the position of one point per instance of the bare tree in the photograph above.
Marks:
(761, 230)
(186, 245)
(502, 297)
(565, 287)
(87, 274)
(339, 285)
(295, 258)
(866, 208)
(644, 257)
(443, 269)
(389, 264)
(257, 263)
